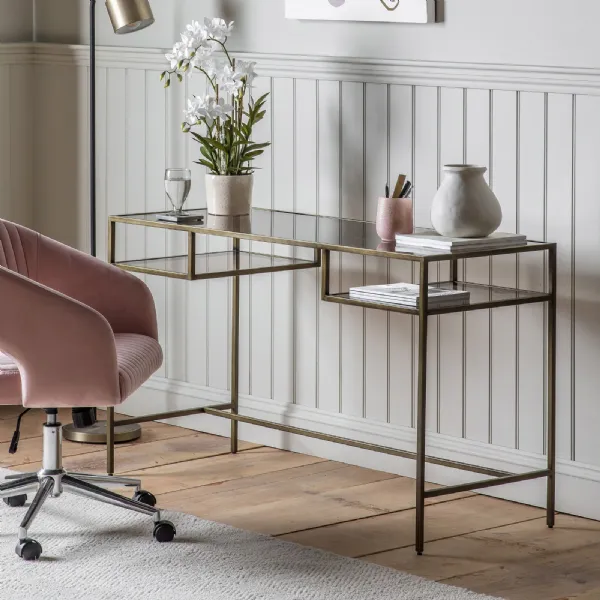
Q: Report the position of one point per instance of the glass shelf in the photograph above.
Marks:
(216, 264)
(310, 231)
(482, 297)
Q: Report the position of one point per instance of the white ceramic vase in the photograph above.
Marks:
(465, 206)
(229, 195)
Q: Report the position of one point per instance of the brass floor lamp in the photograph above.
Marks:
(127, 16)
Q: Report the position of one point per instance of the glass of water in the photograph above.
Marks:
(178, 183)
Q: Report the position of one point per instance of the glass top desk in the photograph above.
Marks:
(325, 235)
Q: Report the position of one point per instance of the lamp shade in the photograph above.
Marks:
(128, 16)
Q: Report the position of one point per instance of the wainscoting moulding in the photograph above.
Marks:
(425, 73)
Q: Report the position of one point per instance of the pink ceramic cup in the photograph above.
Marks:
(394, 215)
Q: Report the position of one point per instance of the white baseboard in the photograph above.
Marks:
(582, 482)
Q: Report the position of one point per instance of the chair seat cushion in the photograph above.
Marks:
(138, 358)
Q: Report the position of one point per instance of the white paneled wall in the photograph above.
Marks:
(340, 130)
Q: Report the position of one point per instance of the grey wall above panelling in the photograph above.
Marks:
(540, 32)
(16, 21)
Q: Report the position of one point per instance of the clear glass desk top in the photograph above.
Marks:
(297, 229)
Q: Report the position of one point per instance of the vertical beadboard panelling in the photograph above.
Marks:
(320, 137)
(284, 199)
(306, 283)
(218, 313)
(197, 301)
(329, 98)
(451, 151)
(353, 150)
(530, 272)
(587, 282)
(20, 137)
(426, 178)
(283, 140)
(559, 212)
(196, 86)
(135, 141)
(504, 271)
(477, 393)
(401, 330)
(306, 151)
(261, 285)
(352, 337)
(156, 239)
(330, 147)
(176, 240)
(328, 203)
(376, 322)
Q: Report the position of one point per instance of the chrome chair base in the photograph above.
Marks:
(52, 481)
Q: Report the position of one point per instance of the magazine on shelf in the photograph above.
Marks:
(428, 238)
(407, 294)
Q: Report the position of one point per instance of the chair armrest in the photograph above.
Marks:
(65, 350)
(124, 300)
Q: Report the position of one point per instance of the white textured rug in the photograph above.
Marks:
(95, 551)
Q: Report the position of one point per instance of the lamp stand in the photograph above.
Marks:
(96, 433)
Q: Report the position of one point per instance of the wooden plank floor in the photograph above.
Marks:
(479, 543)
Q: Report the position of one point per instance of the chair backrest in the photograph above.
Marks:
(18, 249)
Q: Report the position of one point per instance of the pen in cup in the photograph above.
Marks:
(406, 190)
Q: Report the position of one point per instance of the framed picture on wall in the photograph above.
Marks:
(392, 11)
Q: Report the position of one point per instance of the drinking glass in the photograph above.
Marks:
(178, 183)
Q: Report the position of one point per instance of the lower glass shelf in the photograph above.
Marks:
(482, 297)
(214, 265)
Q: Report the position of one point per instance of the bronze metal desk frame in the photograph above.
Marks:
(322, 260)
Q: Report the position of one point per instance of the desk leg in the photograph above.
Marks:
(235, 347)
(421, 409)
(551, 446)
(454, 270)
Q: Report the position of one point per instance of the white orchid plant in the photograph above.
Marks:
(223, 120)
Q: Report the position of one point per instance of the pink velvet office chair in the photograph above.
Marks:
(74, 332)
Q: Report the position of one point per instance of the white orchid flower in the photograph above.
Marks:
(177, 54)
(197, 30)
(172, 59)
(227, 113)
(187, 45)
(218, 29)
(208, 108)
(229, 80)
(194, 111)
(212, 66)
(246, 70)
(221, 108)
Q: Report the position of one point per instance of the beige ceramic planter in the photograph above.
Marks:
(229, 195)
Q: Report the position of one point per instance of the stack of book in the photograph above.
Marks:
(407, 294)
(427, 239)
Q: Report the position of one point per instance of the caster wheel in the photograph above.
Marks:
(16, 501)
(145, 498)
(29, 549)
(164, 531)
